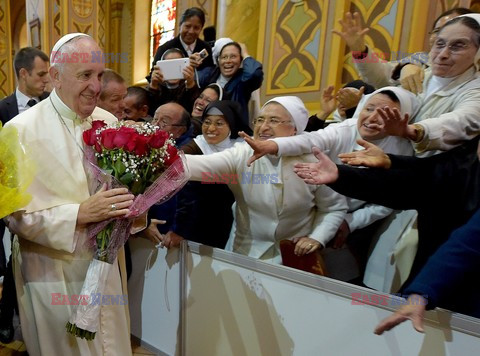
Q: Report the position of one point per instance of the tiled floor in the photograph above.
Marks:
(17, 347)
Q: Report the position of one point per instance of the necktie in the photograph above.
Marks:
(31, 102)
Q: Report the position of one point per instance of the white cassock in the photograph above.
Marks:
(272, 202)
(49, 252)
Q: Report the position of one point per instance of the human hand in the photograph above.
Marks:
(411, 78)
(393, 123)
(322, 172)
(341, 235)
(195, 59)
(244, 50)
(157, 77)
(349, 97)
(171, 239)
(305, 245)
(152, 233)
(105, 204)
(352, 32)
(327, 102)
(371, 156)
(414, 310)
(260, 148)
(188, 74)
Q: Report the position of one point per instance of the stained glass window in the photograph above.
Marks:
(164, 13)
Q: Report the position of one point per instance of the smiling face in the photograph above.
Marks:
(453, 51)
(79, 84)
(190, 29)
(206, 97)
(369, 115)
(215, 129)
(282, 125)
(229, 60)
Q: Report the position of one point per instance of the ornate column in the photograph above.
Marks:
(114, 31)
(240, 20)
(7, 81)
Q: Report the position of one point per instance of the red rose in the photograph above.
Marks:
(123, 136)
(98, 124)
(107, 136)
(159, 138)
(130, 145)
(172, 155)
(141, 145)
(89, 137)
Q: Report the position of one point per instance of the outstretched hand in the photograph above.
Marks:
(260, 148)
(322, 172)
(414, 310)
(393, 123)
(372, 156)
(352, 31)
(411, 78)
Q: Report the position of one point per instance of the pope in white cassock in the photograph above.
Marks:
(49, 252)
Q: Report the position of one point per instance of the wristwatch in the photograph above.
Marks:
(419, 133)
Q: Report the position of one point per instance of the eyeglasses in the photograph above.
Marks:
(454, 46)
(434, 31)
(227, 57)
(217, 124)
(273, 122)
(162, 123)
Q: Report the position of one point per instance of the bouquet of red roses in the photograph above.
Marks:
(144, 159)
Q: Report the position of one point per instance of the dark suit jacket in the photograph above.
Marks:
(450, 277)
(175, 43)
(9, 107)
(444, 189)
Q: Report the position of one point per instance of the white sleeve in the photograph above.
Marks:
(54, 228)
(374, 70)
(301, 144)
(204, 167)
(330, 213)
(452, 128)
(366, 215)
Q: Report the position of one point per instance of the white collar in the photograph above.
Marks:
(61, 107)
(208, 148)
(188, 48)
(23, 99)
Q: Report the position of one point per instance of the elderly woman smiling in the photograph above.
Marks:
(273, 204)
(450, 112)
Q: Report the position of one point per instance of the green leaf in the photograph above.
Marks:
(127, 178)
(119, 167)
(138, 187)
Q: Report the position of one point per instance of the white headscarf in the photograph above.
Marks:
(217, 48)
(476, 17)
(294, 105)
(409, 103)
(68, 37)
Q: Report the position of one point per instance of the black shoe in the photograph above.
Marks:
(7, 333)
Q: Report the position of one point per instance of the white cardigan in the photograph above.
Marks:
(272, 203)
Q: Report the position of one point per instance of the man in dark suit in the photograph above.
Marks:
(191, 24)
(31, 69)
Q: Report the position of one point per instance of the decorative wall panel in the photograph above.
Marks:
(6, 67)
(296, 46)
(385, 20)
